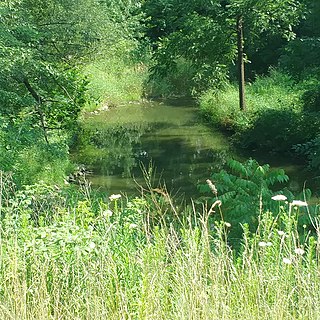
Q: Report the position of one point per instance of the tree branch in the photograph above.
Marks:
(32, 91)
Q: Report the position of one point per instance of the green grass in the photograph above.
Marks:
(75, 255)
(276, 119)
(275, 92)
(114, 81)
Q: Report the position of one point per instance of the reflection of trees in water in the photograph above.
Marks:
(110, 150)
(120, 150)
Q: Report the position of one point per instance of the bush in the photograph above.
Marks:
(280, 113)
(301, 57)
(177, 81)
(272, 130)
(245, 189)
(311, 150)
(311, 95)
(25, 153)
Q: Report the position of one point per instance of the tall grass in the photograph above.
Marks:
(274, 92)
(116, 74)
(76, 256)
(114, 80)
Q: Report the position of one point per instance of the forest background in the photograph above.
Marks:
(61, 58)
(252, 67)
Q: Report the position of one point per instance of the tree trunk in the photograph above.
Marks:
(242, 102)
(39, 101)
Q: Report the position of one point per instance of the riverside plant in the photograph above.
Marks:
(116, 266)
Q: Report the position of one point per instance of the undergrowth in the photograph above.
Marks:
(278, 116)
(68, 254)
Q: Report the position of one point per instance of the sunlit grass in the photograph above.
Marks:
(113, 81)
(110, 258)
(274, 92)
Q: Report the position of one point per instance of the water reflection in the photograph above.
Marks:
(114, 144)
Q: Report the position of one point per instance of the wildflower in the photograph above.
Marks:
(299, 251)
(287, 261)
(299, 203)
(92, 245)
(263, 244)
(279, 197)
(227, 224)
(212, 187)
(281, 233)
(107, 213)
(133, 226)
(114, 197)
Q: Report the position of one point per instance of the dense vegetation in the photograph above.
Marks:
(59, 58)
(67, 255)
(247, 249)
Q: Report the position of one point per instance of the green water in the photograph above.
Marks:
(116, 144)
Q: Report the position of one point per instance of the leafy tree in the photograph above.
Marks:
(258, 18)
(212, 34)
(39, 42)
(192, 31)
(43, 48)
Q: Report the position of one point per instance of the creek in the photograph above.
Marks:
(169, 139)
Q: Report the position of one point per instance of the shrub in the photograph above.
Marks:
(272, 130)
(245, 190)
(311, 150)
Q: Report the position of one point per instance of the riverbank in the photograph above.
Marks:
(69, 254)
(278, 122)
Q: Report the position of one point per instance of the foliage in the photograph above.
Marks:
(39, 74)
(25, 153)
(172, 84)
(114, 81)
(301, 56)
(97, 258)
(311, 150)
(245, 189)
(43, 46)
(281, 113)
(311, 95)
(275, 91)
(204, 34)
(188, 31)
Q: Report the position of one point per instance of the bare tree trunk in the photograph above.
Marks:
(240, 42)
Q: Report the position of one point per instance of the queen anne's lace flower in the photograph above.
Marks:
(299, 203)
(114, 197)
(279, 197)
(264, 244)
(299, 251)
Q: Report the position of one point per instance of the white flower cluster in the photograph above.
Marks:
(294, 203)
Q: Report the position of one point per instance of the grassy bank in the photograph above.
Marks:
(282, 116)
(69, 254)
(114, 81)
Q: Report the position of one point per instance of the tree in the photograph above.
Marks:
(258, 18)
(212, 34)
(42, 45)
(192, 31)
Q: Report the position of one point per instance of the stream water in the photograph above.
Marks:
(170, 138)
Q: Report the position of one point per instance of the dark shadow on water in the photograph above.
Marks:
(183, 151)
